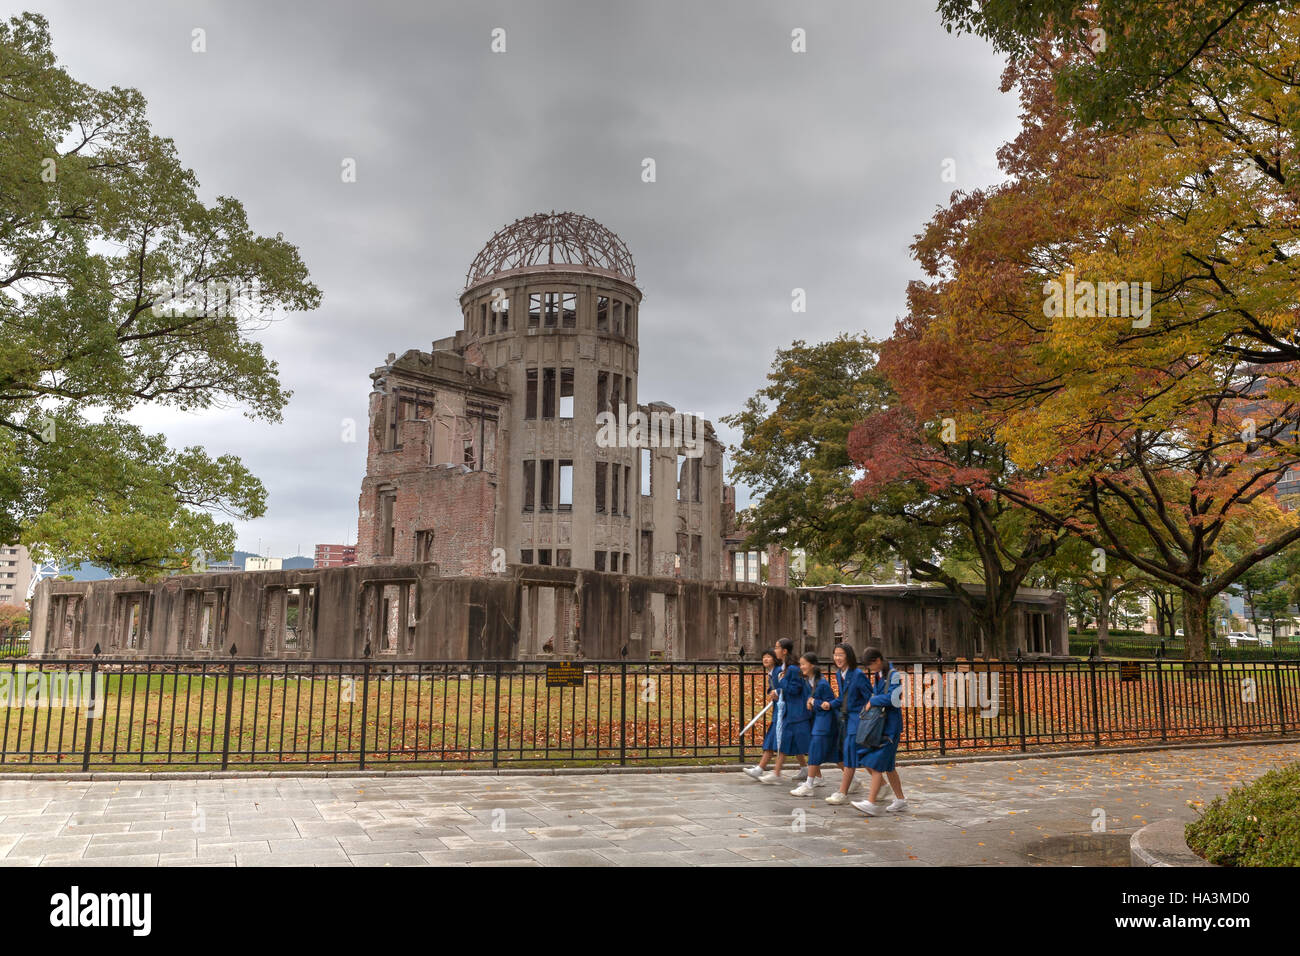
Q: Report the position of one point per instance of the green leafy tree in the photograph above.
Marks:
(856, 570)
(1268, 591)
(1132, 60)
(120, 288)
(793, 451)
(1096, 583)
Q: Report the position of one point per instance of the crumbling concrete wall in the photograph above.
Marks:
(411, 611)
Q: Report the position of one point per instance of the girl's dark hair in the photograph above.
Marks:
(850, 658)
(811, 658)
(786, 645)
(771, 654)
(871, 655)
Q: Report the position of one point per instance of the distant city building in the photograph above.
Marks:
(15, 574)
(262, 564)
(335, 555)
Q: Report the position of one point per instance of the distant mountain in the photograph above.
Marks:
(297, 563)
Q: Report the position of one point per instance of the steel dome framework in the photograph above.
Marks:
(564, 238)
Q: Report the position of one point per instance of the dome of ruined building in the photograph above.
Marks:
(555, 238)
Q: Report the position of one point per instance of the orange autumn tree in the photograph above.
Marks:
(1121, 316)
(931, 492)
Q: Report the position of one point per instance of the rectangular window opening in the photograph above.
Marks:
(566, 393)
(548, 393)
(566, 486)
(547, 500)
(387, 532)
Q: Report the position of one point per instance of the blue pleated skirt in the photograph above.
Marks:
(882, 758)
(849, 756)
(822, 749)
(795, 738)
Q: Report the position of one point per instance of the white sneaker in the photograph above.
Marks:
(855, 786)
(802, 774)
(819, 781)
(869, 808)
(754, 772)
(804, 789)
(837, 799)
(770, 776)
(898, 805)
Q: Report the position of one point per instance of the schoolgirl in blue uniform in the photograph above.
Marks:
(854, 692)
(769, 739)
(792, 720)
(880, 760)
(821, 746)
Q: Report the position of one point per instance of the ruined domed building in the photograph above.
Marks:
(522, 501)
(517, 438)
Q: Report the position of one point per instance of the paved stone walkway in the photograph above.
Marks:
(1038, 812)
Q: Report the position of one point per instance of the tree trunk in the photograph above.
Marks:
(1104, 594)
(997, 634)
(1164, 614)
(1196, 613)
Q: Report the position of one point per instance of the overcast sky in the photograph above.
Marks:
(775, 170)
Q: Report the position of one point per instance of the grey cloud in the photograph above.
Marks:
(775, 170)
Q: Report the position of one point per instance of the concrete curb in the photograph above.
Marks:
(184, 775)
(1162, 844)
(1096, 751)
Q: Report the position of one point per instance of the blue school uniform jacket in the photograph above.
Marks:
(823, 720)
(774, 679)
(855, 691)
(794, 691)
(882, 695)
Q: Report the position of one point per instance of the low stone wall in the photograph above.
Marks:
(410, 611)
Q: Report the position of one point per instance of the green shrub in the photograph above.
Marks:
(1254, 825)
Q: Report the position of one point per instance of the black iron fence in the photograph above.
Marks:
(1151, 646)
(173, 714)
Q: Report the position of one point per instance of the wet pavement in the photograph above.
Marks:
(1051, 811)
